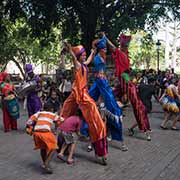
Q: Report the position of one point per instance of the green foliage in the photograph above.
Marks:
(33, 27)
(143, 52)
(18, 44)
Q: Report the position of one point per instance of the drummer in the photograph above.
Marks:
(33, 101)
(7, 89)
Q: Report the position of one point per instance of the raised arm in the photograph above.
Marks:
(111, 45)
(62, 59)
(76, 63)
(91, 56)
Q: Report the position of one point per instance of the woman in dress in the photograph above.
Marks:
(7, 89)
(170, 104)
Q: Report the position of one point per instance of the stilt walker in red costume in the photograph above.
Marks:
(127, 87)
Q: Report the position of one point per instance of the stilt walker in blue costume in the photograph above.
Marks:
(101, 87)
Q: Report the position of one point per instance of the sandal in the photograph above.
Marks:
(163, 127)
(174, 129)
(48, 170)
(104, 161)
(131, 132)
(70, 162)
(62, 158)
(101, 160)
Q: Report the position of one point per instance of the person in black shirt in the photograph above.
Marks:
(53, 99)
(146, 91)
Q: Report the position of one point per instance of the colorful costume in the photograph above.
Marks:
(79, 98)
(127, 87)
(101, 87)
(169, 101)
(33, 101)
(5, 88)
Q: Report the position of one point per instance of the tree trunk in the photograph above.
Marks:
(88, 28)
(88, 36)
(47, 68)
(18, 65)
(173, 65)
(167, 47)
(4, 67)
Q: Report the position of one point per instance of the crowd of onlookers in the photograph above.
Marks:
(54, 93)
(148, 83)
(60, 89)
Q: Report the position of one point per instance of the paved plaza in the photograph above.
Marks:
(158, 159)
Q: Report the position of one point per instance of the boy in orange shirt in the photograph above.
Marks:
(39, 125)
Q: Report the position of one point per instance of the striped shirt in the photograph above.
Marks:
(43, 120)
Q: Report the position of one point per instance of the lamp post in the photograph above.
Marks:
(158, 44)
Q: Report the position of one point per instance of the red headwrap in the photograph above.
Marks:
(123, 39)
(3, 76)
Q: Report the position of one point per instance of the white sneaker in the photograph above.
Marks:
(89, 148)
(148, 138)
(109, 138)
(124, 148)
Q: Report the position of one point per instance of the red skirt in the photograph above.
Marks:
(101, 147)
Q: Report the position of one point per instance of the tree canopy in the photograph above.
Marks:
(80, 20)
(20, 46)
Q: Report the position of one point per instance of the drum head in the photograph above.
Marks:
(26, 88)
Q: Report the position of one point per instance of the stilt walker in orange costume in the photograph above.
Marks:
(79, 98)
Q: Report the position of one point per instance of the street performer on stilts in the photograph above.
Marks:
(101, 87)
(122, 65)
(79, 98)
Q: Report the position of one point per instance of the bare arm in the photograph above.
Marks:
(176, 93)
(62, 59)
(160, 99)
(91, 56)
(76, 63)
(156, 97)
(111, 45)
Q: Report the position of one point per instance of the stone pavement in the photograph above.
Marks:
(155, 160)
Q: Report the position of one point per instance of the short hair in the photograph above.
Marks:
(151, 80)
(47, 106)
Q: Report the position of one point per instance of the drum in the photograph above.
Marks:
(26, 88)
(12, 106)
